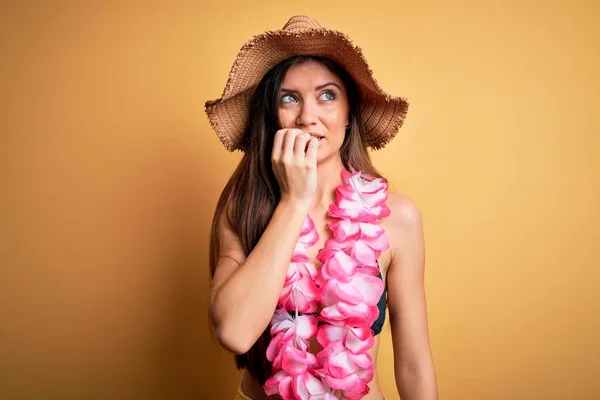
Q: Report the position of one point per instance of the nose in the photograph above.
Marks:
(307, 115)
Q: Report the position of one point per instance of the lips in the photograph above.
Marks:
(316, 135)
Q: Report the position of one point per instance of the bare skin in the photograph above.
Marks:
(314, 100)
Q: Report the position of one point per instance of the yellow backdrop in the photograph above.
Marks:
(110, 173)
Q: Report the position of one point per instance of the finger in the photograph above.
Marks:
(277, 144)
(311, 153)
(300, 147)
(288, 144)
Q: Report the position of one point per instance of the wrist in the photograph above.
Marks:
(294, 207)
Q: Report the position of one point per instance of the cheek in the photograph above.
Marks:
(285, 118)
(337, 123)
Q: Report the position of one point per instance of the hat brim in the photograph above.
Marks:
(382, 114)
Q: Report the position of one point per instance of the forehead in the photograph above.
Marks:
(308, 75)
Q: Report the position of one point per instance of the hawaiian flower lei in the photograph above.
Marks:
(347, 287)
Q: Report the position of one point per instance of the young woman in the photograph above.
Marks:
(307, 246)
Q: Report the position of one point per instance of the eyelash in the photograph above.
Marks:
(331, 92)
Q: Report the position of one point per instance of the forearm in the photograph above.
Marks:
(244, 304)
(417, 383)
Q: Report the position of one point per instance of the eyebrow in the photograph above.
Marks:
(316, 89)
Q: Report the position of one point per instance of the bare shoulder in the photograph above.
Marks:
(405, 214)
(404, 226)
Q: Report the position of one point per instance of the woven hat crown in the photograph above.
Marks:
(299, 23)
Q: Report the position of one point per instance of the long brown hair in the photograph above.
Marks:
(252, 193)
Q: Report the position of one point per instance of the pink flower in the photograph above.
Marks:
(339, 266)
(304, 325)
(356, 340)
(349, 314)
(361, 288)
(297, 270)
(365, 250)
(301, 294)
(295, 361)
(371, 234)
(300, 291)
(357, 388)
(345, 370)
(361, 199)
(357, 395)
(287, 329)
(308, 237)
(307, 386)
(280, 383)
(278, 343)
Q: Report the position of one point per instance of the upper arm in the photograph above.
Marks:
(406, 289)
(230, 257)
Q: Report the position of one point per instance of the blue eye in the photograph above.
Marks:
(328, 95)
(287, 98)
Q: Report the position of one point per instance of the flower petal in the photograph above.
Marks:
(363, 253)
(359, 340)
(349, 383)
(296, 361)
(330, 333)
(341, 267)
(281, 383)
(345, 229)
(306, 326)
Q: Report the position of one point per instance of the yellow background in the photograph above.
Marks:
(110, 173)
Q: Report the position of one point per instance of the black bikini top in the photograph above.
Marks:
(378, 324)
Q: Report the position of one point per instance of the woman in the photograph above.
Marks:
(307, 246)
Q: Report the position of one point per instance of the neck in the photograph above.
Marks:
(329, 177)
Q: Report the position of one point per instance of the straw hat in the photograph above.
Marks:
(382, 114)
